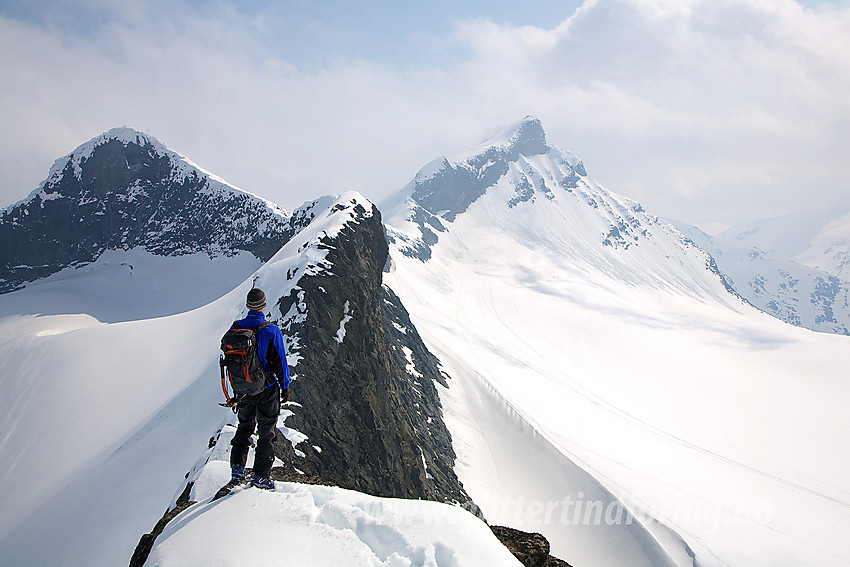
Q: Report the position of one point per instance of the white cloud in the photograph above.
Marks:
(702, 109)
(688, 105)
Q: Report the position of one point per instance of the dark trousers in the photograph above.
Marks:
(260, 412)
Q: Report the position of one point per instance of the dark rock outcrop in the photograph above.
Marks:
(365, 388)
(531, 549)
(365, 381)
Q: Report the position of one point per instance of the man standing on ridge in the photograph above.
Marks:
(261, 410)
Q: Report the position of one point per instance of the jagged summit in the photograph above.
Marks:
(526, 137)
(124, 189)
(446, 187)
(126, 137)
(84, 151)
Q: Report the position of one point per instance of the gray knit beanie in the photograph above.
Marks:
(256, 300)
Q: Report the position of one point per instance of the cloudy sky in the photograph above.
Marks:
(708, 111)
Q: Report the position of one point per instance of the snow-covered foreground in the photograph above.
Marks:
(578, 381)
(298, 525)
(321, 526)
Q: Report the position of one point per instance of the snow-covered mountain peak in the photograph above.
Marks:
(542, 201)
(446, 187)
(124, 189)
(123, 134)
(524, 138)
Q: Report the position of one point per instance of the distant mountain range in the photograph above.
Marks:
(788, 289)
(125, 189)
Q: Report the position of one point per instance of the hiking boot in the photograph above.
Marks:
(237, 473)
(262, 482)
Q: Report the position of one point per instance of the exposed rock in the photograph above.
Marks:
(364, 378)
(532, 549)
(458, 185)
(143, 549)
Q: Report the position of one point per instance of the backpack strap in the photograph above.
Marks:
(256, 330)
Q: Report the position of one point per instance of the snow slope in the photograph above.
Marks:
(133, 284)
(97, 422)
(591, 364)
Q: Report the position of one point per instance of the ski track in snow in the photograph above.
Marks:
(571, 449)
(618, 412)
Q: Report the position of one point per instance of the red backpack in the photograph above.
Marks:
(240, 358)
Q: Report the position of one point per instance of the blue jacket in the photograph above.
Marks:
(268, 337)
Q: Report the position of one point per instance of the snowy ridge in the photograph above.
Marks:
(301, 524)
(305, 254)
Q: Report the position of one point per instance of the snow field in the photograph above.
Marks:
(132, 285)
